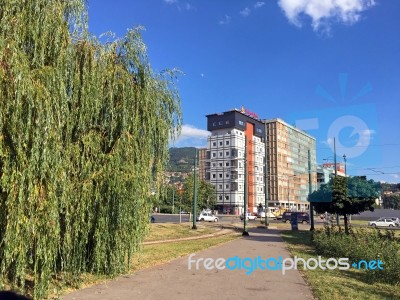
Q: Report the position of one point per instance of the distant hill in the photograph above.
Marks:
(181, 159)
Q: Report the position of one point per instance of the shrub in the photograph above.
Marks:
(363, 244)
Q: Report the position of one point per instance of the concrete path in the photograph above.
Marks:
(174, 281)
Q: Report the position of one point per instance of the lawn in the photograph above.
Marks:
(336, 284)
(174, 231)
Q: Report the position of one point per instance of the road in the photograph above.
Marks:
(174, 218)
(230, 219)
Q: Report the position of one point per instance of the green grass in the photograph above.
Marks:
(336, 284)
(174, 231)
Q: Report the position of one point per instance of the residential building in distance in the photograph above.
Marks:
(287, 165)
(226, 154)
(203, 163)
(327, 170)
(287, 162)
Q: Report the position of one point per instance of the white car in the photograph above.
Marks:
(383, 222)
(207, 217)
(248, 217)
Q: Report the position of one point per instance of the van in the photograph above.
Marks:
(302, 217)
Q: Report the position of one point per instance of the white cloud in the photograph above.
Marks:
(170, 1)
(259, 4)
(225, 21)
(245, 12)
(324, 12)
(191, 136)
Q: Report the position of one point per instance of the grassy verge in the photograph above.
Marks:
(336, 284)
(175, 231)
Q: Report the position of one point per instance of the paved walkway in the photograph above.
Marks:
(173, 280)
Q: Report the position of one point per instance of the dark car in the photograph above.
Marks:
(302, 217)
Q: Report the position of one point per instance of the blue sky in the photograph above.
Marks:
(331, 67)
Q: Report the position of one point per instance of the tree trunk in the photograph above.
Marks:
(346, 226)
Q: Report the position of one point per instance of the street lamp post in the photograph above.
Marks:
(265, 174)
(195, 191)
(345, 169)
(245, 232)
(173, 200)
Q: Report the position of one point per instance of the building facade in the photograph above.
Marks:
(273, 149)
(236, 136)
(203, 163)
(288, 165)
(326, 172)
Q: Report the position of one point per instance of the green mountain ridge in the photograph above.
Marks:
(181, 159)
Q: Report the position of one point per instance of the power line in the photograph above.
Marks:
(361, 146)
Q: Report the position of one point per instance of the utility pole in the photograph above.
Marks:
(334, 159)
(245, 232)
(173, 199)
(310, 191)
(195, 190)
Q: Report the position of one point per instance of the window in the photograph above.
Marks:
(220, 123)
(214, 164)
(227, 143)
(220, 197)
(214, 144)
(214, 154)
(220, 143)
(220, 175)
(214, 124)
(226, 197)
(227, 153)
(220, 164)
(227, 186)
(220, 186)
(213, 176)
(226, 122)
(220, 154)
(241, 123)
(227, 164)
(227, 175)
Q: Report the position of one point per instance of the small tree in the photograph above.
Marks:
(345, 195)
(205, 194)
(391, 201)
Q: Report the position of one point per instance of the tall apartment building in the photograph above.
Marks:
(225, 159)
(287, 165)
(203, 163)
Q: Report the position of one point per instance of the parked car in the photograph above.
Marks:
(249, 216)
(383, 222)
(302, 217)
(204, 216)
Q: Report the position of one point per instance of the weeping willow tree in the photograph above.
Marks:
(84, 129)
